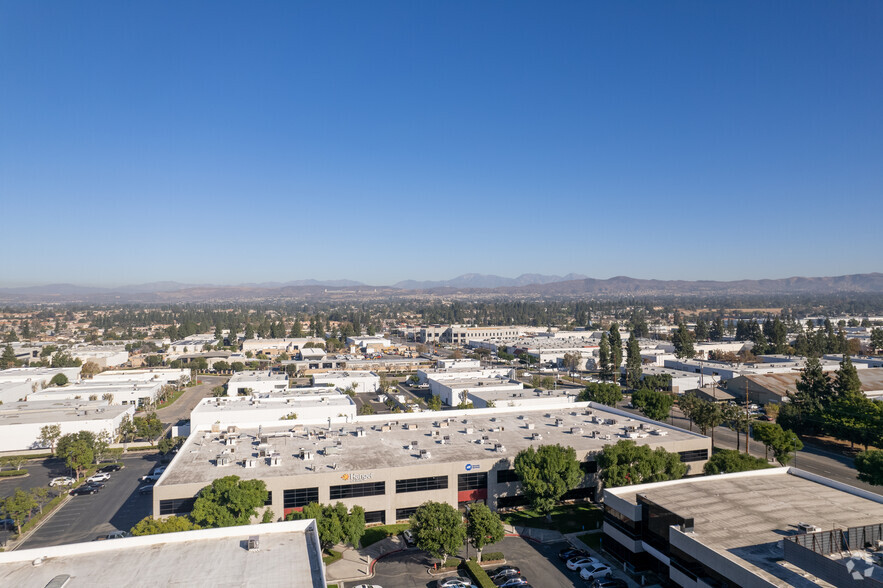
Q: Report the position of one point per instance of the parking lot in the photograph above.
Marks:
(117, 506)
(539, 564)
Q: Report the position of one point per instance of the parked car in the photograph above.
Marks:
(408, 536)
(114, 467)
(150, 477)
(7, 524)
(368, 586)
(85, 489)
(512, 581)
(594, 571)
(609, 582)
(145, 489)
(100, 477)
(113, 535)
(504, 572)
(159, 469)
(63, 481)
(570, 553)
(455, 582)
(576, 563)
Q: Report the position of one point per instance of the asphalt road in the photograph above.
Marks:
(539, 565)
(117, 506)
(181, 408)
(40, 473)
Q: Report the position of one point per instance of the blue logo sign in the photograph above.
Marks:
(472, 466)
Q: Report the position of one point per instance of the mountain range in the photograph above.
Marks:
(533, 285)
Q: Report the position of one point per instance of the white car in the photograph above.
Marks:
(99, 478)
(63, 481)
(367, 586)
(581, 562)
(594, 572)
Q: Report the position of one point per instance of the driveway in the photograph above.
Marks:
(181, 408)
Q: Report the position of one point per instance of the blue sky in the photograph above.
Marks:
(378, 141)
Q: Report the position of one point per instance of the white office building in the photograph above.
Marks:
(256, 382)
(361, 382)
(20, 422)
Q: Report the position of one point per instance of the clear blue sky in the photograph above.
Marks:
(377, 141)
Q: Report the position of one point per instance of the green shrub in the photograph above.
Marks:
(492, 556)
(331, 557)
(482, 580)
(13, 473)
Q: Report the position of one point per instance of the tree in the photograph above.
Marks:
(335, 524)
(438, 529)
(604, 357)
(572, 361)
(49, 435)
(870, 466)
(76, 451)
(608, 394)
(366, 409)
(89, 369)
(546, 474)
(615, 349)
(701, 329)
(717, 330)
(654, 404)
(127, 430)
(627, 463)
(483, 527)
(877, 339)
(739, 421)
(153, 360)
(689, 405)
(434, 403)
(708, 415)
(683, 342)
(41, 496)
(174, 524)
(167, 445)
(62, 359)
(148, 427)
(58, 380)
(728, 461)
(8, 359)
(847, 383)
(18, 507)
(228, 502)
(782, 442)
(633, 362)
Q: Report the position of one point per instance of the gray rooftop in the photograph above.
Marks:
(49, 411)
(744, 516)
(386, 440)
(211, 557)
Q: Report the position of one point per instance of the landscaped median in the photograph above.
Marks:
(566, 518)
(14, 473)
(482, 580)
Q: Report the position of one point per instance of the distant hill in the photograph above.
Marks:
(486, 281)
(531, 285)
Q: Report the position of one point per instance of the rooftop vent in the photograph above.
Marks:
(807, 528)
(537, 436)
(411, 426)
(360, 432)
(424, 454)
(253, 543)
(250, 463)
(531, 426)
(469, 430)
(306, 455)
(222, 460)
(275, 461)
(499, 448)
(576, 430)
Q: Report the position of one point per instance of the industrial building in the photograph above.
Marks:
(104, 356)
(276, 347)
(20, 422)
(461, 334)
(272, 555)
(391, 464)
(764, 528)
(361, 382)
(302, 404)
(119, 393)
(763, 389)
(37, 376)
(164, 376)
(256, 382)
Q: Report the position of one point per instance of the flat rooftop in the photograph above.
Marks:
(28, 372)
(210, 557)
(48, 411)
(255, 376)
(387, 440)
(345, 375)
(743, 516)
(227, 404)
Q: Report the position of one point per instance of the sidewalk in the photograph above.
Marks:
(357, 564)
(533, 534)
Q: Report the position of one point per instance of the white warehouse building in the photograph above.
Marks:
(20, 422)
(256, 382)
(136, 394)
(362, 382)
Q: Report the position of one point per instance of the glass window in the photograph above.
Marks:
(421, 484)
(357, 490)
(472, 481)
(298, 497)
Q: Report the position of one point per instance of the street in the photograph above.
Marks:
(180, 409)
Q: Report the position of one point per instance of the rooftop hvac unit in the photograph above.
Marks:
(411, 426)
(412, 445)
(222, 460)
(306, 455)
(254, 543)
(484, 439)
(531, 426)
(499, 448)
(537, 437)
(424, 454)
(360, 432)
(576, 430)
(275, 461)
(444, 424)
(332, 450)
(265, 439)
(469, 430)
(384, 428)
(250, 463)
(807, 528)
